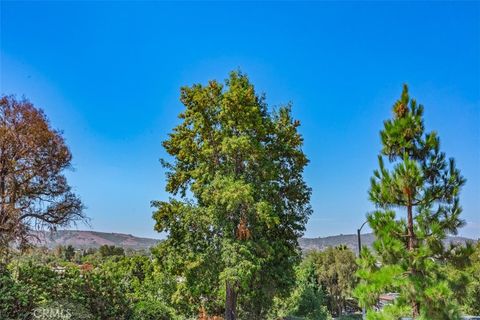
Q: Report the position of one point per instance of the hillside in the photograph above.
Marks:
(94, 239)
(351, 241)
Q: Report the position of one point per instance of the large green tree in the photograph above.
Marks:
(416, 194)
(240, 200)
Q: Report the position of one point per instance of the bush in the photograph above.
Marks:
(15, 299)
(152, 310)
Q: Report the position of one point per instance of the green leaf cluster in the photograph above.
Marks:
(307, 300)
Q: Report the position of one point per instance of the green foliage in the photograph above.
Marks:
(95, 290)
(410, 257)
(335, 269)
(108, 251)
(307, 301)
(152, 310)
(69, 253)
(65, 252)
(15, 299)
(389, 312)
(472, 295)
(323, 286)
(118, 288)
(241, 200)
(104, 296)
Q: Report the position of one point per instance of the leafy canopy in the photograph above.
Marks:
(240, 200)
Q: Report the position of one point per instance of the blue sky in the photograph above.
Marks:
(108, 74)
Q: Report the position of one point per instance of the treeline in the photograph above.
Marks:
(132, 286)
(82, 255)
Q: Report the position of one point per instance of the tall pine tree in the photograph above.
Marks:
(241, 200)
(416, 193)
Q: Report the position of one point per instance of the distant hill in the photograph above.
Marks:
(92, 239)
(350, 240)
(95, 239)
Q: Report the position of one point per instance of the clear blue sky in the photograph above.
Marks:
(109, 74)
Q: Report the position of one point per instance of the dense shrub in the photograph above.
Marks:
(15, 298)
(116, 288)
(152, 310)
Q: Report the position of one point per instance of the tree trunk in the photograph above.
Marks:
(412, 243)
(3, 197)
(411, 233)
(230, 302)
